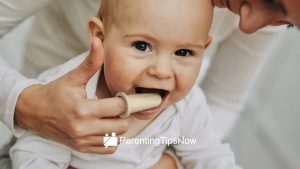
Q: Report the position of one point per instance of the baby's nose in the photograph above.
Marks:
(161, 68)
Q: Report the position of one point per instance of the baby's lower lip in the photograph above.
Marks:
(149, 111)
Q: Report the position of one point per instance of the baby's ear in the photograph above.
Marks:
(96, 28)
(208, 41)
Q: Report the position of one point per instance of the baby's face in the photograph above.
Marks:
(157, 48)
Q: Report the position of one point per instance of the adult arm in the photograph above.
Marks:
(12, 83)
(13, 12)
(234, 68)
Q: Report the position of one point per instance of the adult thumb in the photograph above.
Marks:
(91, 64)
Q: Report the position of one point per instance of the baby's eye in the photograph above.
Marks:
(142, 46)
(183, 52)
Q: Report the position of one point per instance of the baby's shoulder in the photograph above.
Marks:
(193, 106)
(193, 112)
(195, 97)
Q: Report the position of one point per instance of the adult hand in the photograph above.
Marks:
(60, 110)
(166, 161)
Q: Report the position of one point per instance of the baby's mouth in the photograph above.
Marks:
(163, 93)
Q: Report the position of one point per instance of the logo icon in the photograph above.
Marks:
(110, 141)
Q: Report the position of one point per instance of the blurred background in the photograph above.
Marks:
(267, 135)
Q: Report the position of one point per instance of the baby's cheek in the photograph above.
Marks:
(186, 82)
(184, 86)
(177, 96)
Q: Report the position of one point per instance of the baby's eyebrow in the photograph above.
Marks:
(140, 35)
(154, 40)
(200, 46)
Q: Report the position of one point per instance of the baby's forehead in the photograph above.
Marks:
(118, 10)
(185, 19)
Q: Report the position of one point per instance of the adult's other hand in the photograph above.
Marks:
(166, 161)
(61, 111)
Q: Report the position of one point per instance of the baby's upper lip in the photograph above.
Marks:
(153, 87)
(161, 91)
(133, 91)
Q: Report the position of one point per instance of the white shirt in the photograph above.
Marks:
(189, 118)
(237, 58)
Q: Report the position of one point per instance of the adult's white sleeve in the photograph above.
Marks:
(233, 70)
(12, 84)
(207, 151)
(14, 12)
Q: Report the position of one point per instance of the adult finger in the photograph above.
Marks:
(108, 107)
(98, 126)
(91, 64)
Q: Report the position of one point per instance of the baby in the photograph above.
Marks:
(150, 46)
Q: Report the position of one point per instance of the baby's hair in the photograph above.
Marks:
(110, 11)
(102, 9)
(107, 10)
